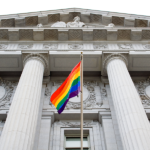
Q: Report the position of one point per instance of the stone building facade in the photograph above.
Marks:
(37, 52)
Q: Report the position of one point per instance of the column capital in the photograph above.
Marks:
(40, 57)
(109, 57)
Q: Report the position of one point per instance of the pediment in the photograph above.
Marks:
(25, 26)
(91, 18)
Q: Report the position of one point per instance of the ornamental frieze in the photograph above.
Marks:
(125, 46)
(25, 46)
(74, 46)
(146, 46)
(100, 46)
(6, 92)
(90, 100)
(143, 88)
(50, 46)
(3, 46)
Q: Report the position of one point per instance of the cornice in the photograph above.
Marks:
(67, 10)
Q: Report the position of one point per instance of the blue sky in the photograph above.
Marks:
(126, 6)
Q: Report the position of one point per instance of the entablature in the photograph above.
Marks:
(63, 60)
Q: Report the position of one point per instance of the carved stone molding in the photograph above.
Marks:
(124, 34)
(65, 46)
(95, 18)
(26, 34)
(59, 24)
(40, 25)
(48, 96)
(75, 34)
(75, 46)
(3, 34)
(74, 14)
(110, 25)
(53, 17)
(75, 124)
(31, 21)
(141, 23)
(110, 57)
(146, 46)
(50, 46)
(100, 46)
(118, 21)
(146, 34)
(3, 46)
(6, 91)
(103, 93)
(41, 57)
(25, 46)
(88, 103)
(143, 88)
(51, 34)
(76, 23)
(8, 22)
(125, 46)
(60, 128)
(99, 34)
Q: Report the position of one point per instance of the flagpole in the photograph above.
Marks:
(81, 124)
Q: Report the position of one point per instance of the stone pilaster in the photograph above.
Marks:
(44, 136)
(131, 117)
(20, 126)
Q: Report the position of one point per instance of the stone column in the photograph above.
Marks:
(20, 126)
(132, 120)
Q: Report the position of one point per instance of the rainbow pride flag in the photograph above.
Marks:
(70, 88)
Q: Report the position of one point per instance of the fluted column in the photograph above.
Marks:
(19, 129)
(132, 120)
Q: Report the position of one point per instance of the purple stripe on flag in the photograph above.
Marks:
(73, 94)
(62, 108)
